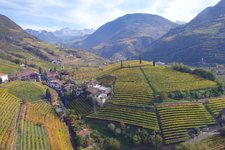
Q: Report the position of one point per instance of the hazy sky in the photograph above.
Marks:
(78, 14)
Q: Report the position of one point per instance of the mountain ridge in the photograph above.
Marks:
(200, 39)
(124, 36)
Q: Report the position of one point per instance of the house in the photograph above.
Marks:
(99, 93)
(83, 132)
(55, 84)
(28, 75)
(4, 77)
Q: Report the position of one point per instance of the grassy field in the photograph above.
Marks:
(30, 91)
(8, 67)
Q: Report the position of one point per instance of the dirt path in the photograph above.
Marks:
(13, 143)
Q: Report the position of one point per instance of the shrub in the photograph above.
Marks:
(112, 144)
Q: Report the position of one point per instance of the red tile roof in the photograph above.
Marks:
(2, 74)
(83, 132)
(24, 73)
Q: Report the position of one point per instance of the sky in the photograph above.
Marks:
(52, 15)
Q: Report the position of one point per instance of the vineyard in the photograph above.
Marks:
(136, 63)
(81, 106)
(9, 107)
(216, 105)
(41, 115)
(176, 119)
(167, 80)
(131, 89)
(128, 116)
(31, 91)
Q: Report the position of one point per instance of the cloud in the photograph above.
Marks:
(52, 14)
(37, 27)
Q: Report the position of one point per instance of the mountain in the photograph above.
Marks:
(17, 46)
(126, 36)
(203, 38)
(63, 36)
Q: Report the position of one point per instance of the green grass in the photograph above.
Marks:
(30, 91)
(8, 67)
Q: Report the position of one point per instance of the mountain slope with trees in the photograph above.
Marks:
(201, 40)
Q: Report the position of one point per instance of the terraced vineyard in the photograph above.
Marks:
(167, 80)
(133, 117)
(81, 106)
(41, 113)
(176, 119)
(216, 105)
(9, 107)
(31, 135)
(131, 88)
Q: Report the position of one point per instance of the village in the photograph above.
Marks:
(60, 82)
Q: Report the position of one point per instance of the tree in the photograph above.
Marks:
(40, 70)
(79, 140)
(48, 94)
(158, 140)
(153, 63)
(117, 131)
(122, 125)
(121, 64)
(222, 131)
(111, 127)
(112, 144)
(136, 140)
(1, 81)
(55, 69)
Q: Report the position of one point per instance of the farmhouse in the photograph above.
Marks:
(28, 75)
(4, 77)
(99, 93)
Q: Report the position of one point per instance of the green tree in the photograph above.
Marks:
(111, 127)
(79, 140)
(48, 94)
(112, 144)
(136, 140)
(40, 70)
(117, 131)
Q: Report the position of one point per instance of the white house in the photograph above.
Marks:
(4, 77)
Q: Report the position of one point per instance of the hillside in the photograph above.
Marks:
(17, 46)
(141, 99)
(203, 37)
(27, 124)
(126, 36)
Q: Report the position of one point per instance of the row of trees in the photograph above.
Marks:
(134, 136)
(199, 72)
